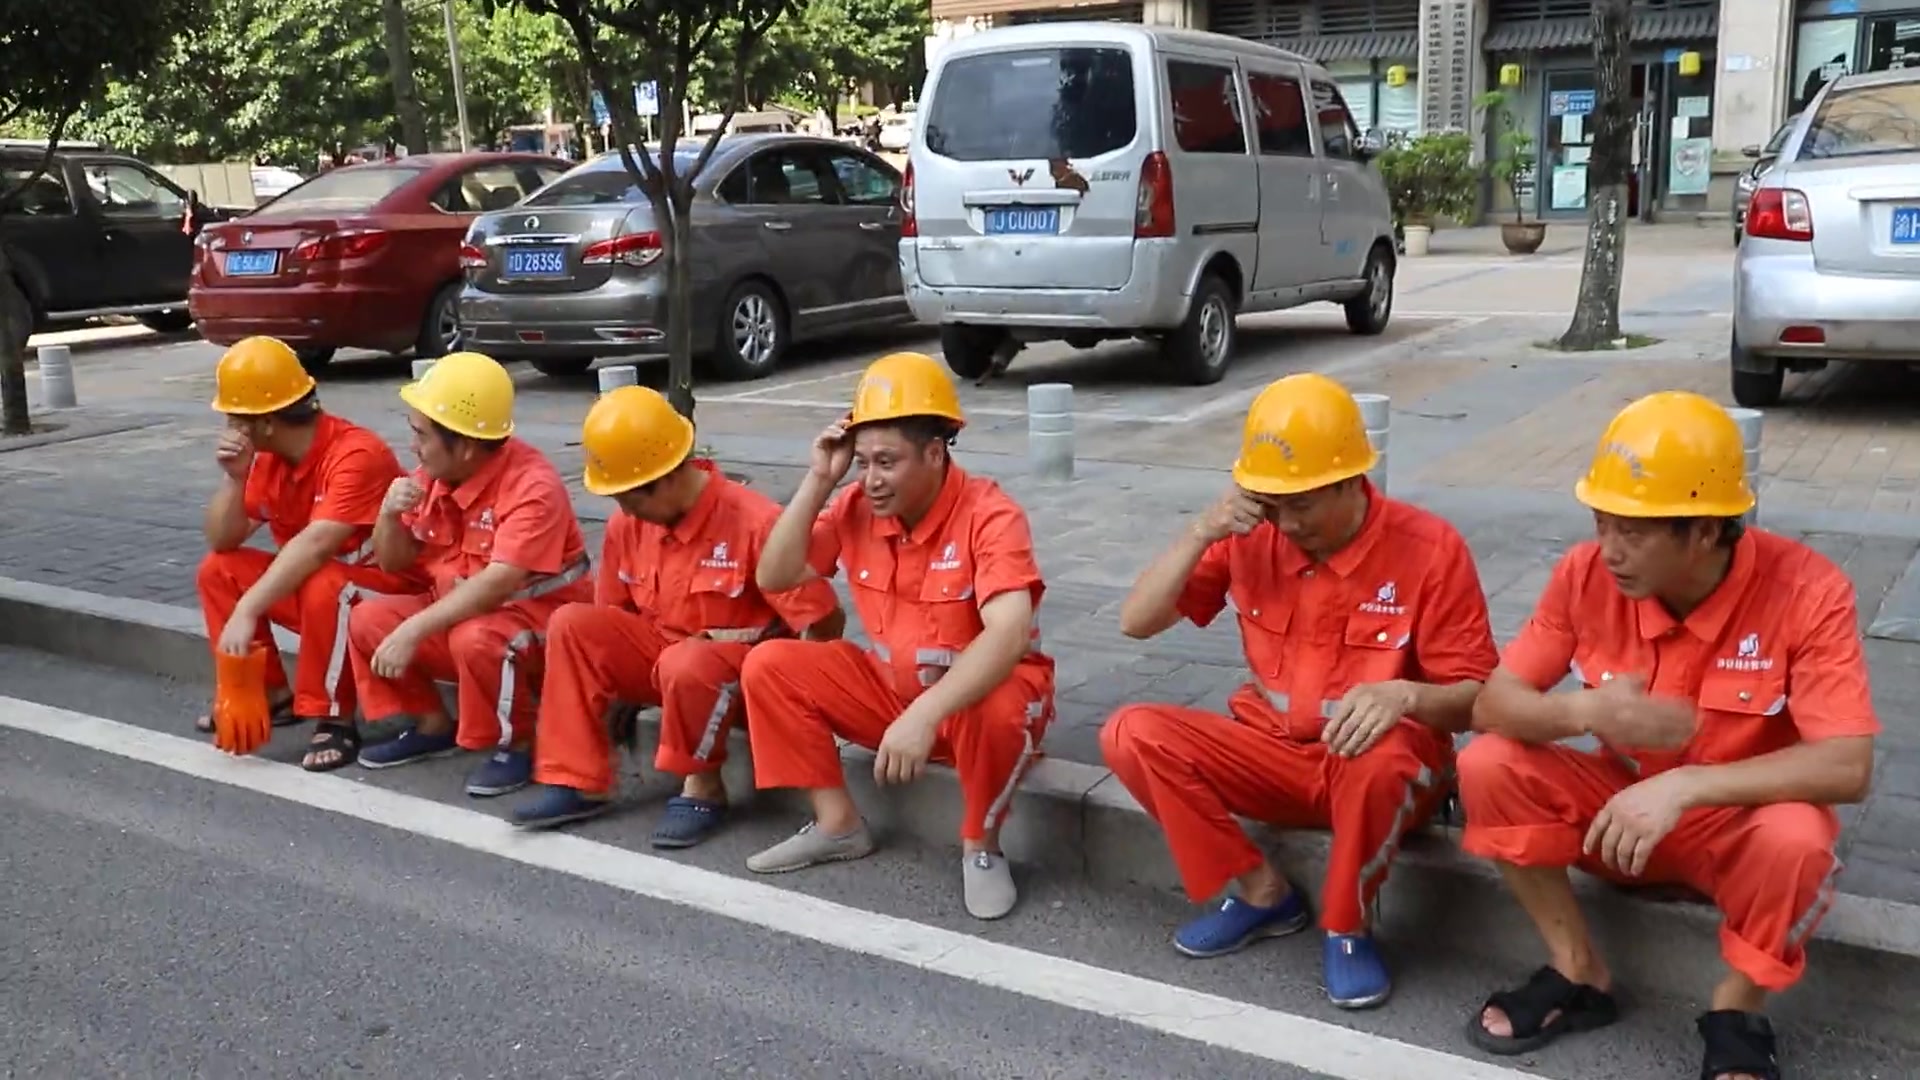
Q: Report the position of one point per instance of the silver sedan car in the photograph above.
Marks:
(1829, 268)
(793, 237)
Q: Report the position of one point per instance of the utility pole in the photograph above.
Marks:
(459, 79)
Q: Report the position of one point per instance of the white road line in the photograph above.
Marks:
(1217, 1021)
(760, 392)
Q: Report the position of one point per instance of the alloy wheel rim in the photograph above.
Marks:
(754, 331)
(1379, 292)
(1213, 332)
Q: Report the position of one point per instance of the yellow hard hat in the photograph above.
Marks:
(632, 436)
(906, 384)
(1670, 454)
(1303, 432)
(466, 393)
(259, 375)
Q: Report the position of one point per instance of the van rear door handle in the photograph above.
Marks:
(873, 226)
(779, 226)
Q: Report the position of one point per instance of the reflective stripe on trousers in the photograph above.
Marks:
(1376, 864)
(517, 647)
(337, 659)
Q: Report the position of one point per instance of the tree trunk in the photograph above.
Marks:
(14, 419)
(406, 96)
(680, 302)
(1596, 312)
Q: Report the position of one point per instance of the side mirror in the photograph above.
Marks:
(1750, 151)
(1370, 145)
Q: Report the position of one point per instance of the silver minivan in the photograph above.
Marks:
(1093, 180)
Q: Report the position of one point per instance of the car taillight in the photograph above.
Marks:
(1153, 207)
(1780, 214)
(909, 225)
(633, 249)
(472, 257)
(335, 247)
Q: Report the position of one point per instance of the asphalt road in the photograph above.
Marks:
(170, 913)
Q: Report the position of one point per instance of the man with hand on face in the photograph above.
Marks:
(1367, 637)
(488, 519)
(1726, 685)
(676, 616)
(942, 573)
(316, 482)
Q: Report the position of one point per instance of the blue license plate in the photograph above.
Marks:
(1023, 221)
(252, 263)
(1906, 225)
(536, 262)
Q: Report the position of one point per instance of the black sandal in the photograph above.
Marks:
(1737, 1043)
(1580, 1008)
(342, 739)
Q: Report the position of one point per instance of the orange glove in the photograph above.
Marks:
(242, 720)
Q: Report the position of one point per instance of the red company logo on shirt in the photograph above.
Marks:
(949, 559)
(1746, 657)
(718, 560)
(1385, 602)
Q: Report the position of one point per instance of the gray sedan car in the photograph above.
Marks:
(793, 237)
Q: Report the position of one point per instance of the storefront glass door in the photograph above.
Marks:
(1567, 142)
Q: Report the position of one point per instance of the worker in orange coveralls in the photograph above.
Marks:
(943, 576)
(1725, 683)
(1367, 637)
(316, 482)
(490, 521)
(676, 616)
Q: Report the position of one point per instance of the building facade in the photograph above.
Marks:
(1709, 77)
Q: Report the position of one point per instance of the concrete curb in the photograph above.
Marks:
(1078, 818)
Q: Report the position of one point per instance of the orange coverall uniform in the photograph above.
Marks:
(676, 614)
(1772, 659)
(343, 478)
(1402, 601)
(918, 594)
(515, 510)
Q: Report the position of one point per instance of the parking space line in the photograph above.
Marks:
(775, 388)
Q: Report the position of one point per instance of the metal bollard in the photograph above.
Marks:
(56, 377)
(1749, 421)
(420, 369)
(1050, 430)
(1378, 417)
(613, 378)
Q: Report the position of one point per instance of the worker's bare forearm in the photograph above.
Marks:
(1829, 772)
(227, 525)
(303, 556)
(783, 559)
(1152, 606)
(479, 595)
(1508, 706)
(395, 548)
(1446, 707)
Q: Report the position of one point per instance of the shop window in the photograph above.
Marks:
(1826, 50)
(1280, 115)
(1206, 109)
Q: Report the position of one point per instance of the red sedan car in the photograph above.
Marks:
(363, 256)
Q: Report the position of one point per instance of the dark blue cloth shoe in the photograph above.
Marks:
(554, 805)
(409, 747)
(688, 821)
(1236, 924)
(505, 771)
(1355, 975)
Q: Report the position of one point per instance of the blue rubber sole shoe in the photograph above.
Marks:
(408, 748)
(555, 805)
(1236, 924)
(1354, 973)
(688, 821)
(503, 772)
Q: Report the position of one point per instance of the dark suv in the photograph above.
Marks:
(98, 234)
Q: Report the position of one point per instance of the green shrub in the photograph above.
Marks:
(1431, 176)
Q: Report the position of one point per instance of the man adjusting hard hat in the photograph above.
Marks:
(488, 519)
(676, 614)
(315, 481)
(1367, 638)
(941, 570)
(1726, 686)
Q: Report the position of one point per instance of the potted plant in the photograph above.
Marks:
(1513, 164)
(1429, 177)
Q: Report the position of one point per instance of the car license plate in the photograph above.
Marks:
(1906, 225)
(536, 262)
(251, 263)
(1023, 220)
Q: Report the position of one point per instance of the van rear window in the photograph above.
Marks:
(1043, 103)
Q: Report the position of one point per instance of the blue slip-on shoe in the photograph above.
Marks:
(1236, 924)
(688, 821)
(408, 747)
(1355, 975)
(504, 771)
(554, 805)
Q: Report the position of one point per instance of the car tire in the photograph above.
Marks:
(562, 367)
(166, 322)
(1369, 312)
(315, 359)
(440, 326)
(1755, 389)
(751, 339)
(969, 349)
(1201, 348)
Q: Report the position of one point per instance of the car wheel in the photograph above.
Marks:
(314, 359)
(166, 322)
(440, 326)
(1368, 313)
(562, 367)
(752, 337)
(969, 349)
(1201, 347)
(1754, 389)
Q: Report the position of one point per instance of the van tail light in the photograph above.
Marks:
(909, 225)
(1780, 214)
(1153, 208)
(339, 246)
(472, 257)
(633, 249)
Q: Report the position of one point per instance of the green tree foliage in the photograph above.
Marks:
(831, 45)
(55, 56)
(514, 63)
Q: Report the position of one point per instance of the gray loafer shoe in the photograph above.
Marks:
(811, 847)
(987, 881)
